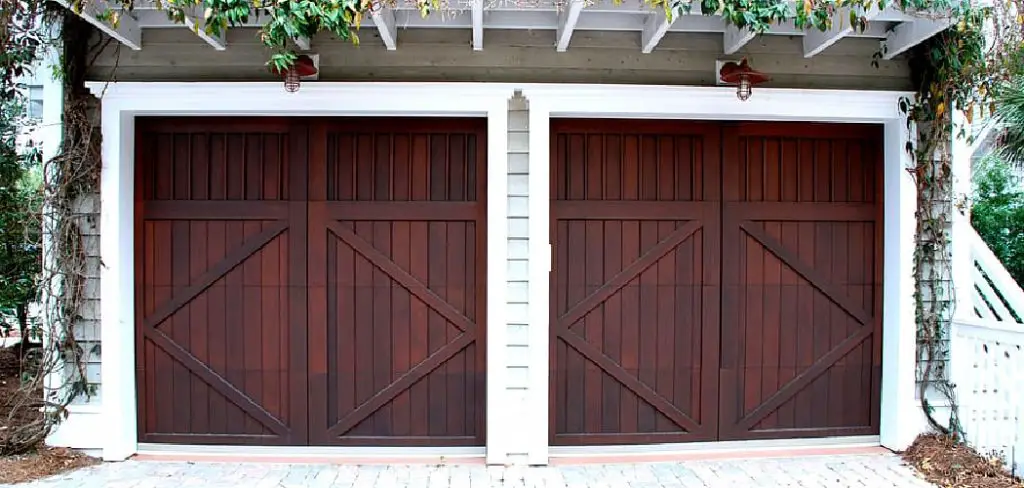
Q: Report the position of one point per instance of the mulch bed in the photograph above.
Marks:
(44, 461)
(947, 463)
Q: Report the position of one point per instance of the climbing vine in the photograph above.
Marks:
(956, 70)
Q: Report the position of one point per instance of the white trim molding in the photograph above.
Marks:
(720, 103)
(122, 102)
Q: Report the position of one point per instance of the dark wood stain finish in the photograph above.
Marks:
(634, 324)
(310, 281)
(714, 281)
(802, 280)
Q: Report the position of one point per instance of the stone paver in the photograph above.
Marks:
(846, 471)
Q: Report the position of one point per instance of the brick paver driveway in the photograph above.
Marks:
(867, 471)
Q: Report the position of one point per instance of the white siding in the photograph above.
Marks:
(517, 311)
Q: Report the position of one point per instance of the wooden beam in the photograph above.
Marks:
(386, 26)
(478, 25)
(127, 31)
(735, 38)
(910, 34)
(655, 27)
(195, 20)
(567, 20)
(816, 41)
(302, 43)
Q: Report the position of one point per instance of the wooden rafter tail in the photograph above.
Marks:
(196, 22)
(816, 41)
(655, 27)
(478, 25)
(384, 18)
(910, 34)
(567, 20)
(127, 31)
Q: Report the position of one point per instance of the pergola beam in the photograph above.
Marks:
(384, 18)
(816, 41)
(910, 34)
(478, 25)
(735, 38)
(567, 20)
(196, 22)
(127, 31)
(655, 27)
(302, 43)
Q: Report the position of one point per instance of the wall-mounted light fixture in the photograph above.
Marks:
(741, 75)
(304, 67)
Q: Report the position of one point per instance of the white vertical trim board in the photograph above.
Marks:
(540, 267)
(497, 255)
(900, 416)
(506, 431)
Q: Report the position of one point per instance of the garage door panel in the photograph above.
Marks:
(628, 285)
(802, 281)
(213, 274)
(395, 266)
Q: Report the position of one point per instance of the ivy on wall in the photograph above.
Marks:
(956, 70)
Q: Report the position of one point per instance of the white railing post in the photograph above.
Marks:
(962, 262)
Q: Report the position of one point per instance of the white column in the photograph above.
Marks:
(900, 415)
(117, 306)
(500, 420)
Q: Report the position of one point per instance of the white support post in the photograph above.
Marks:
(196, 22)
(816, 41)
(960, 240)
(900, 417)
(127, 31)
(540, 267)
(655, 27)
(500, 421)
(117, 279)
(386, 26)
(478, 25)
(910, 34)
(735, 38)
(567, 20)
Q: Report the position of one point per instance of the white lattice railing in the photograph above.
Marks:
(996, 296)
(987, 363)
(987, 359)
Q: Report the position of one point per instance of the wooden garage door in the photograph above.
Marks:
(688, 306)
(635, 284)
(801, 302)
(310, 281)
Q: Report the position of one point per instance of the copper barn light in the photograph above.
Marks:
(303, 67)
(743, 76)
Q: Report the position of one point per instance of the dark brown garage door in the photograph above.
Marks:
(714, 281)
(311, 281)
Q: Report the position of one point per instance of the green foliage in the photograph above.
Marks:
(20, 202)
(1009, 115)
(998, 213)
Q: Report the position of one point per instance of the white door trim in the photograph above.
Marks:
(122, 102)
(899, 412)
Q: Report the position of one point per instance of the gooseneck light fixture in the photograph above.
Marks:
(743, 76)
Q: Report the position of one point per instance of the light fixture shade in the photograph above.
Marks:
(743, 76)
(303, 67)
